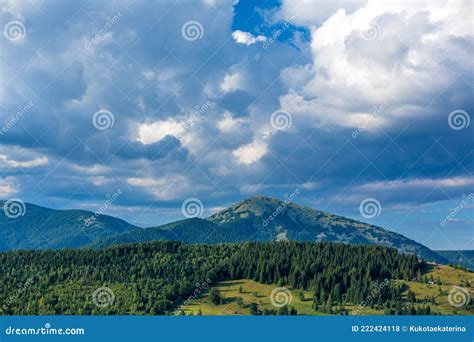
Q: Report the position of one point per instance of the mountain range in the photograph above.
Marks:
(255, 219)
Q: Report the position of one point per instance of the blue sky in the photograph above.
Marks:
(223, 100)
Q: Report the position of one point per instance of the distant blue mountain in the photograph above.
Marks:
(255, 219)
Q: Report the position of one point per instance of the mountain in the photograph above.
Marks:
(267, 219)
(41, 228)
(255, 219)
(273, 219)
(464, 257)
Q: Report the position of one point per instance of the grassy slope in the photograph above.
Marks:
(254, 292)
(449, 277)
(260, 293)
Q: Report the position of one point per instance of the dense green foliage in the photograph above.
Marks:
(156, 277)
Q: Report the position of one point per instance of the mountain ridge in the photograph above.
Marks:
(258, 218)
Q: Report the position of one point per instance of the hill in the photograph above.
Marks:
(40, 228)
(267, 219)
(464, 258)
(255, 219)
(157, 277)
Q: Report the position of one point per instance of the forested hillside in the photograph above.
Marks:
(156, 277)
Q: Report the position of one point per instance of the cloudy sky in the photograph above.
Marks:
(347, 102)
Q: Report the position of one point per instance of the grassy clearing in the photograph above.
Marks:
(449, 278)
(254, 292)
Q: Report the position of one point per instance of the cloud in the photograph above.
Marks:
(163, 188)
(426, 183)
(311, 14)
(227, 123)
(8, 186)
(24, 164)
(247, 38)
(251, 153)
(153, 132)
(232, 82)
(381, 54)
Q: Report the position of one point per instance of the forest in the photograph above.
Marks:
(154, 278)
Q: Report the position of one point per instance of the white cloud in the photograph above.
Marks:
(149, 133)
(24, 164)
(227, 123)
(8, 186)
(246, 38)
(251, 153)
(101, 180)
(233, 81)
(93, 170)
(248, 189)
(312, 13)
(403, 53)
(163, 188)
(144, 182)
(420, 183)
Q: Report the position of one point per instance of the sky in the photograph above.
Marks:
(133, 108)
